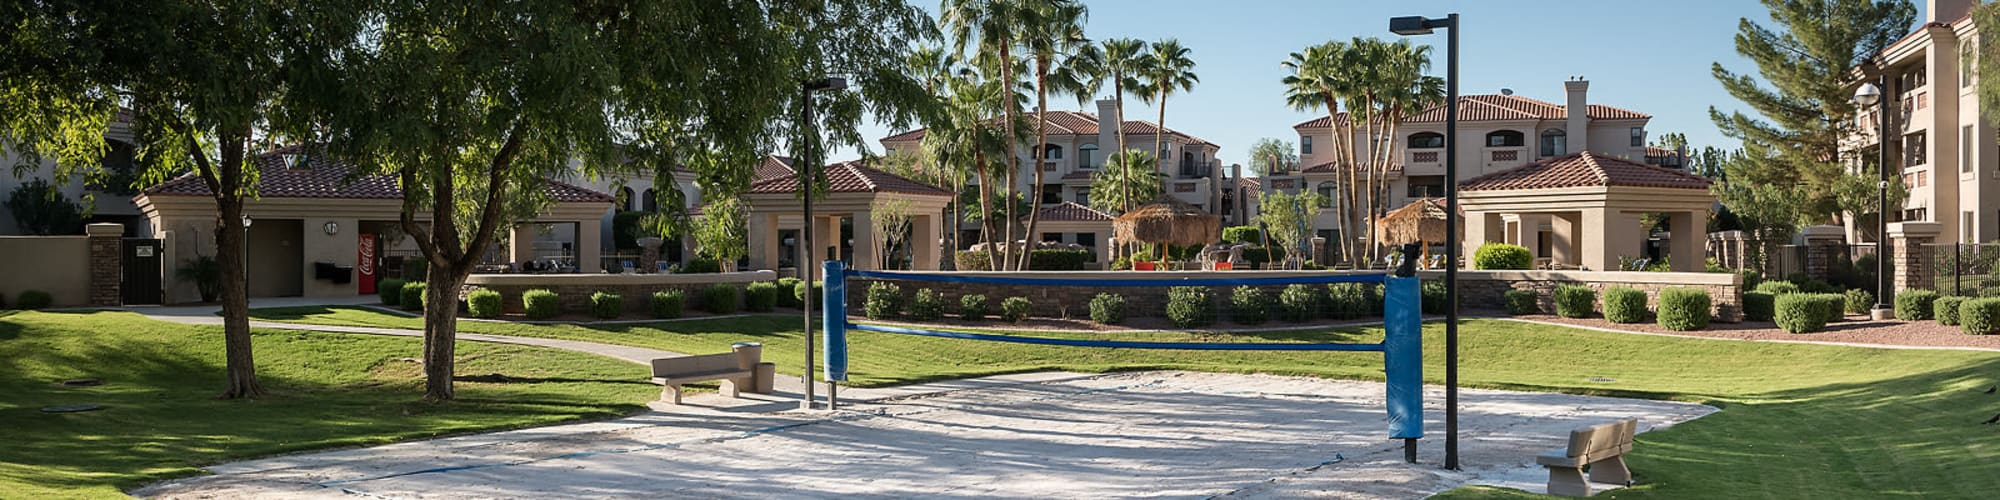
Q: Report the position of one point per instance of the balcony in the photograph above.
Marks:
(1425, 161)
(1196, 169)
(1505, 157)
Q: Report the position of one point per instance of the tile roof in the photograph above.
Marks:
(851, 177)
(1070, 211)
(294, 172)
(774, 166)
(1583, 169)
(1327, 168)
(1077, 123)
(1499, 107)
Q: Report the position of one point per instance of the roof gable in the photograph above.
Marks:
(1583, 169)
(851, 177)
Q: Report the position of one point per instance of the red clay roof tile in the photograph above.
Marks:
(1583, 169)
(295, 172)
(851, 177)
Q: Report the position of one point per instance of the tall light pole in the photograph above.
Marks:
(1419, 25)
(1871, 95)
(809, 167)
(246, 258)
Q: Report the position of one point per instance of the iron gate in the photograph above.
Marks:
(139, 266)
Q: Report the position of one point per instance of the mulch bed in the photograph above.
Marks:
(1856, 330)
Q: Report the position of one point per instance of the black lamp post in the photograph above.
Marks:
(1868, 95)
(808, 176)
(1418, 25)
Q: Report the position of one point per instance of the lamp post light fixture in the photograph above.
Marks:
(1870, 95)
(808, 176)
(246, 257)
(1419, 25)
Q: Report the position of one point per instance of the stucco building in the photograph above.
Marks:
(1944, 153)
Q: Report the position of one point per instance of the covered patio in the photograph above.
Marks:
(853, 194)
(1582, 211)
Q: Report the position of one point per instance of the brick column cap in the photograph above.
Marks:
(1919, 230)
(110, 229)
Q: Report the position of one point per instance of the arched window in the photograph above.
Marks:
(1326, 193)
(1086, 155)
(1554, 142)
(1426, 140)
(1051, 152)
(1505, 139)
(652, 201)
(624, 199)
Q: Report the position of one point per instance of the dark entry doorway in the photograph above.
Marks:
(139, 271)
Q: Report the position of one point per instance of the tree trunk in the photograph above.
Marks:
(1013, 153)
(1040, 155)
(985, 210)
(236, 344)
(1159, 132)
(1124, 248)
(440, 332)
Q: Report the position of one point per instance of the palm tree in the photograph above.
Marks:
(1318, 80)
(1053, 29)
(989, 27)
(1122, 61)
(1128, 170)
(1167, 70)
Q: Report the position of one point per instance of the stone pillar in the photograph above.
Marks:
(1565, 241)
(1621, 237)
(864, 242)
(1689, 239)
(762, 230)
(1909, 245)
(590, 248)
(106, 254)
(924, 242)
(649, 255)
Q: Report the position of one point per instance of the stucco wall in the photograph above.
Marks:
(59, 265)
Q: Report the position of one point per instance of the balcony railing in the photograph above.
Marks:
(1507, 155)
(1424, 156)
(1197, 169)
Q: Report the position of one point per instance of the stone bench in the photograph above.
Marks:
(1601, 448)
(741, 369)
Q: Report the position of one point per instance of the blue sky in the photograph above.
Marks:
(1648, 56)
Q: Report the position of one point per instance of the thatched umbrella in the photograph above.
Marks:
(1421, 220)
(1168, 222)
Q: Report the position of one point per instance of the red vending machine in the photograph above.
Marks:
(365, 265)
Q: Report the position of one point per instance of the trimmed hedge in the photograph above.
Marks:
(667, 304)
(1502, 256)
(1044, 259)
(33, 300)
(1259, 256)
(720, 298)
(1684, 309)
(1799, 313)
(1914, 305)
(1015, 309)
(799, 293)
(699, 265)
(1189, 306)
(1858, 301)
(412, 293)
(1979, 316)
(1817, 286)
(1758, 306)
(1242, 234)
(761, 296)
(541, 303)
(1777, 287)
(391, 291)
(1624, 305)
(926, 305)
(1107, 308)
(972, 307)
(1574, 301)
(1945, 309)
(1432, 295)
(1522, 302)
(606, 305)
(790, 296)
(1301, 302)
(1348, 301)
(1249, 305)
(885, 301)
(483, 303)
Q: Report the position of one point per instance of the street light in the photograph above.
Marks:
(1419, 25)
(246, 258)
(807, 177)
(1871, 95)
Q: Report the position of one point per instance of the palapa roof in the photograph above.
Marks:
(299, 172)
(1584, 169)
(1168, 221)
(851, 177)
(1421, 220)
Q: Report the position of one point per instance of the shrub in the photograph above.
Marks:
(1624, 305)
(1300, 302)
(606, 305)
(1758, 306)
(1189, 306)
(1249, 305)
(1751, 278)
(391, 291)
(760, 296)
(541, 304)
(789, 296)
(667, 304)
(1913, 305)
(1945, 309)
(720, 299)
(801, 294)
(1979, 316)
(926, 305)
(1347, 301)
(1107, 308)
(1817, 286)
(700, 265)
(1242, 234)
(1574, 301)
(1777, 287)
(1858, 301)
(1057, 259)
(1502, 256)
(1015, 309)
(1684, 309)
(1121, 263)
(1798, 313)
(1432, 297)
(1258, 256)
(885, 301)
(1522, 302)
(1833, 305)
(413, 296)
(972, 307)
(483, 303)
(969, 260)
(33, 300)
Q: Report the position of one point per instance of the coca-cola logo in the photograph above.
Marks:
(367, 265)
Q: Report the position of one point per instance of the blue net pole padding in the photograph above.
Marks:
(835, 321)
(1310, 279)
(1124, 344)
(1403, 357)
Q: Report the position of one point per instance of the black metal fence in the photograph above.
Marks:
(1964, 268)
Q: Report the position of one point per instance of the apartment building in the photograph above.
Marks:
(1078, 144)
(1945, 154)
(108, 201)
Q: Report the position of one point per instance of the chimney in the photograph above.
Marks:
(1945, 11)
(1577, 127)
(1108, 125)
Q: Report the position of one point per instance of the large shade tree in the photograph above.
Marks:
(205, 86)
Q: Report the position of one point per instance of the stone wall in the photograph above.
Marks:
(1485, 289)
(636, 289)
(106, 252)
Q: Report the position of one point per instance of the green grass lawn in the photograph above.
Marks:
(1799, 421)
(327, 390)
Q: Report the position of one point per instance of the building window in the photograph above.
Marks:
(1913, 149)
(1051, 193)
(1052, 237)
(1965, 149)
(651, 202)
(1505, 139)
(1051, 152)
(625, 199)
(1426, 140)
(1923, 178)
(1083, 197)
(1164, 150)
(1326, 194)
(1305, 144)
(1554, 142)
(1968, 56)
(1087, 239)
(1085, 156)
(1426, 186)
(1638, 137)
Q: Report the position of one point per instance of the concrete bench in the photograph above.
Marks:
(1601, 448)
(741, 369)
